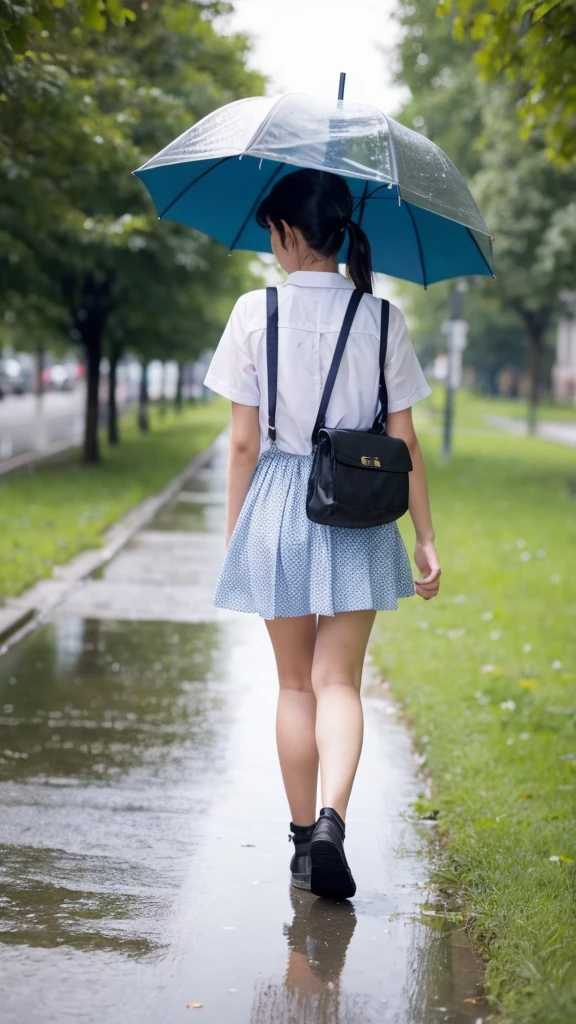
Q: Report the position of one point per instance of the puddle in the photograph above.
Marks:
(143, 825)
(189, 516)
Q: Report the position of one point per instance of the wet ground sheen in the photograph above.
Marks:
(143, 825)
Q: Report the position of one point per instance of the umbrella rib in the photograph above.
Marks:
(275, 172)
(480, 251)
(191, 183)
(420, 253)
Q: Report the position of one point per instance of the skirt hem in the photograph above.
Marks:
(296, 615)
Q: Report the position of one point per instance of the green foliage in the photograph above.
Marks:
(25, 23)
(487, 678)
(50, 514)
(531, 44)
(527, 202)
(80, 246)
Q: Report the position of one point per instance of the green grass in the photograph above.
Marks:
(473, 408)
(58, 509)
(486, 674)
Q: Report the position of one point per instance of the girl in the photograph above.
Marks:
(317, 587)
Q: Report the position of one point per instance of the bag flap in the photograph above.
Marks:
(367, 450)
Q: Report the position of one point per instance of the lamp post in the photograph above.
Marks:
(456, 331)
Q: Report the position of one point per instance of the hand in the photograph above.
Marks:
(427, 561)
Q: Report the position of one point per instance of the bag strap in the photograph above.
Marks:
(272, 360)
(336, 360)
(272, 357)
(382, 415)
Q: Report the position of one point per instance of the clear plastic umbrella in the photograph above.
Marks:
(422, 220)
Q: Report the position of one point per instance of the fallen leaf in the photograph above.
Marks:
(566, 860)
(471, 999)
(194, 1006)
(527, 684)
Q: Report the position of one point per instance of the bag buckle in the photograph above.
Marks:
(370, 460)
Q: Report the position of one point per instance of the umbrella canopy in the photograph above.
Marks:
(422, 220)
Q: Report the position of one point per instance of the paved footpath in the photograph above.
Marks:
(143, 825)
(547, 430)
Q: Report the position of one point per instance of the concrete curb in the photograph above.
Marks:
(21, 615)
(28, 460)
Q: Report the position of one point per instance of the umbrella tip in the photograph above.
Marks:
(341, 85)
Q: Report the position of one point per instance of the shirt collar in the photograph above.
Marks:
(318, 279)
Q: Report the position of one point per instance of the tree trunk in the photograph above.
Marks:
(113, 431)
(535, 342)
(39, 381)
(93, 346)
(143, 420)
(39, 423)
(179, 388)
(162, 400)
(89, 302)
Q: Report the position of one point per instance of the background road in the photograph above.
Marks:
(27, 424)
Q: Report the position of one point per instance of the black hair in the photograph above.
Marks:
(320, 204)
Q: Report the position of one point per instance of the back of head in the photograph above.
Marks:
(320, 204)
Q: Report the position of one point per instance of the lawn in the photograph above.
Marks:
(474, 408)
(58, 509)
(486, 675)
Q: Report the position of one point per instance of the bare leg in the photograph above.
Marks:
(293, 642)
(336, 675)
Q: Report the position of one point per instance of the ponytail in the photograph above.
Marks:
(359, 264)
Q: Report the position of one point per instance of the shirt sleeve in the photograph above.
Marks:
(231, 371)
(405, 380)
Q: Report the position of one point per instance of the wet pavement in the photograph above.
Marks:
(143, 825)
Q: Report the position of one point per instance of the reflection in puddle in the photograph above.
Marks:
(311, 992)
(143, 853)
(109, 737)
(189, 514)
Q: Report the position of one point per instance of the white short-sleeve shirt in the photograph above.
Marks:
(311, 308)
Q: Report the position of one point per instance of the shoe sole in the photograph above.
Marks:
(301, 881)
(330, 876)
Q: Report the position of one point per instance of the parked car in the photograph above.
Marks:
(12, 378)
(61, 376)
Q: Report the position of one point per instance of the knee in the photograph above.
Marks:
(326, 679)
(296, 682)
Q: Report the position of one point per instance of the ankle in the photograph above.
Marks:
(331, 812)
(300, 830)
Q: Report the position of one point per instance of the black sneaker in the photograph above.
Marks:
(300, 863)
(330, 875)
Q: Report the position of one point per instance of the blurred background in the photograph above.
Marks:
(104, 310)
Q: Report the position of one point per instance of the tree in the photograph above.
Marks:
(75, 222)
(532, 44)
(22, 24)
(530, 203)
(527, 202)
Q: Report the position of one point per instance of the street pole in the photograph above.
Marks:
(456, 331)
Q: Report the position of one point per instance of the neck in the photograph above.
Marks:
(327, 265)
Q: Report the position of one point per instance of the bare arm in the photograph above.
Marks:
(242, 458)
(399, 424)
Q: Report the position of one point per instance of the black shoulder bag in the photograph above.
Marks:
(358, 478)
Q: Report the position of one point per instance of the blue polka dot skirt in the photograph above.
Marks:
(280, 564)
